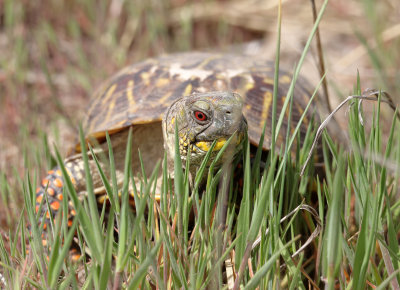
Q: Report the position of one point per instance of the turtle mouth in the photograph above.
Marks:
(205, 145)
(202, 146)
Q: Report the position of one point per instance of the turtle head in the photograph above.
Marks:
(201, 119)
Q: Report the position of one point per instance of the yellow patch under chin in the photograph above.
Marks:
(205, 146)
(219, 144)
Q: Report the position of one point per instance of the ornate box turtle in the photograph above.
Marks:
(198, 91)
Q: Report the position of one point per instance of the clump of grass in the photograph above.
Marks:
(165, 245)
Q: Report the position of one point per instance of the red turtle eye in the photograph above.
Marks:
(200, 116)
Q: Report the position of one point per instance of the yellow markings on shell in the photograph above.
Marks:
(165, 97)
(266, 107)
(162, 82)
(102, 198)
(207, 61)
(109, 93)
(306, 97)
(249, 86)
(285, 79)
(129, 93)
(301, 111)
(146, 78)
(110, 109)
(283, 99)
(268, 81)
(188, 90)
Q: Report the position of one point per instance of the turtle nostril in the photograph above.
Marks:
(228, 112)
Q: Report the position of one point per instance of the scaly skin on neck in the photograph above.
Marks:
(202, 118)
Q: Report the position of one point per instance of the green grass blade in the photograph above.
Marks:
(81, 215)
(260, 274)
(298, 67)
(94, 213)
(142, 271)
(123, 230)
(57, 257)
(114, 199)
(333, 227)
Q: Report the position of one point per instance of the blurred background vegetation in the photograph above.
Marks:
(54, 53)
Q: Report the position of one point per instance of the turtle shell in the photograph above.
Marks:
(141, 93)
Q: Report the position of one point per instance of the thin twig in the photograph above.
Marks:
(321, 58)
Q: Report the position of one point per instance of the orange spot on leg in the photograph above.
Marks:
(75, 255)
(45, 182)
(60, 197)
(55, 205)
(58, 182)
(39, 198)
(50, 191)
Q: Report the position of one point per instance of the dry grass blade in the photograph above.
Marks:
(389, 265)
(314, 234)
(365, 96)
(389, 101)
(230, 271)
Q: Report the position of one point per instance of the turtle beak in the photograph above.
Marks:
(206, 145)
(225, 129)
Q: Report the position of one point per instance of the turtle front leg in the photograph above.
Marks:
(51, 189)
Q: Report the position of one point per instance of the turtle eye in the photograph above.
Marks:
(200, 116)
